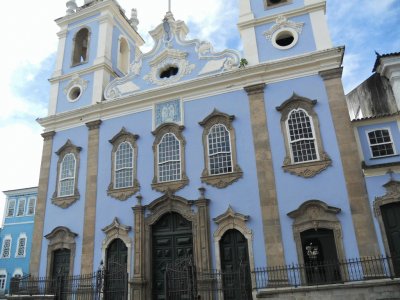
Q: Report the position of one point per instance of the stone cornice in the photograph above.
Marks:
(292, 13)
(274, 71)
(96, 67)
(331, 74)
(94, 9)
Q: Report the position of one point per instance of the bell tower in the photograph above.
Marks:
(97, 42)
(276, 29)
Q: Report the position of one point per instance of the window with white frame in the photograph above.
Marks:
(124, 153)
(3, 279)
(11, 207)
(219, 150)
(21, 246)
(67, 192)
(169, 158)
(21, 207)
(67, 175)
(305, 155)
(380, 142)
(301, 136)
(6, 247)
(31, 206)
(124, 166)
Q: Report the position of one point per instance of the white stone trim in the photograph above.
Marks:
(22, 235)
(285, 69)
(293, 33)
(282, 24)
(76, 82)
(250, 49)
(7, 237)
(320, 30)
(391, 141)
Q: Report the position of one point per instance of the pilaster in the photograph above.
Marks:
(265, 176)
(356, 190)
(41, 202)
(139, 287)
(90, 197)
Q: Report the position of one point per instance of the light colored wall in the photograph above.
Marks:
(259, 11)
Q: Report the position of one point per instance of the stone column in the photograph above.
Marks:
(203, 234)
(90, 197)
(356, 190)
(266, 177)
(41, 202)
(139, 287)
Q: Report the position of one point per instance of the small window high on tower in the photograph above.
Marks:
(81, 43)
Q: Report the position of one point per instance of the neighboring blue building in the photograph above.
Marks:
(230, 159)
(375, 110)
(16, 235)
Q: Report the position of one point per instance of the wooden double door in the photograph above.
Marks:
(172, 239)
(391, 220)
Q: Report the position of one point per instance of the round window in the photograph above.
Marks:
(74, 93)
(285, 38)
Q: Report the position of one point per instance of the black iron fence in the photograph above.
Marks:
(102, 284)
(319, 273)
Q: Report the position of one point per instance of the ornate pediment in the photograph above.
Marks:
(280, 23)
(116, 227)
(189, 59)
(392, 195)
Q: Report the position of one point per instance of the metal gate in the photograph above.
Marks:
(180, 280)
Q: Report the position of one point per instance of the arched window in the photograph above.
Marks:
(221, 168)
(123, 55)
(66, 191)
(219, 150)
(301, 137)
(305, 155)
(67, 176)
(123, 171)
(81, 44)
(124, 166)
(169, 158)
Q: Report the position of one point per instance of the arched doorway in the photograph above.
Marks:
(235, 266)
(172, 239)
(116, 271)
(320, 256)
(391, 221)
(61, 262)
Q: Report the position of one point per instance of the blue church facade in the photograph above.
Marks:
(16, 235)
(230, 159)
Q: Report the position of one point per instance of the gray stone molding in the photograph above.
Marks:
(123, 193)
(265, 176)
(169, 186)
(60, 238)
(220, 180)
(361, 213)
(309, 168)
(41, 202)
(314, 214)
(200, 229)
(392, 196)
(139, 264)
(67, 201)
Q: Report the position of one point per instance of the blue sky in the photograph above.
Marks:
(29, 43)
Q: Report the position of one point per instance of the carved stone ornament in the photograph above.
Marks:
(169, 36)
(126, 192)
(116, 228)
(224, 179)
(392, 195)
(75, 82)
(67, 201)
(169, 58)
(305, 169)
(282, 22)
(169, 186)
